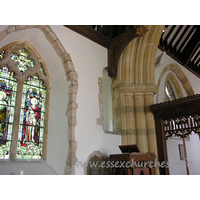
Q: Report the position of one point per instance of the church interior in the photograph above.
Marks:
(81, 99)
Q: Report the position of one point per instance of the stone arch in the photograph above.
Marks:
(181, 77)
(137, 62)
(134, 89)
(175, 83)
(95, 157)
(71, 75)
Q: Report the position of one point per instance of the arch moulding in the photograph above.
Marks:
(71, 75)
(175, 83)
(181, 77)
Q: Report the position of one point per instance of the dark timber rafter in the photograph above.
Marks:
(114, 38)
(182, 43)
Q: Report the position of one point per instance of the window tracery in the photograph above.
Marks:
(29, 91)
(22, 60)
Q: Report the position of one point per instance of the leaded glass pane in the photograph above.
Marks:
(8, 88)
(169, 92)
(2, 54)
(42, 69)
(31, 128)
(22, 60)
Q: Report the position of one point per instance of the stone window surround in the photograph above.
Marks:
(179, 74)
(100, 120)
(71, 75)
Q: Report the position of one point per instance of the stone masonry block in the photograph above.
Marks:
(71, 133)
(20, 27)
(65, 57)
(72, 76)
(72, 97)
(73, 89)
(70, 65)
(71, 113)
(72, 105)
(60, 50)
(51, 36)
(45, 29)
(72, 121)
(72, 146)
(11, 29)
(69, 170)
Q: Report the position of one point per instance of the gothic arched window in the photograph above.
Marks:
(24, 89)
(169, 92)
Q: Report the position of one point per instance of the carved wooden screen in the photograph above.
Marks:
(177, 118)
(181, 126)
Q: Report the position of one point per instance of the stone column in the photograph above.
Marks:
(150, 124)
(137, 121)
(128, 120)
(140, 122)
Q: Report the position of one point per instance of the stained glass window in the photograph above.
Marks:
(42, 69)
(169, 92)
(2, 54)
(31, 127)
(8, 88)
(30, 120)
(22, 60)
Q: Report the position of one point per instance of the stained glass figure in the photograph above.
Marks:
(2, 54)
(8, 88)
(22, 60)
(31, 128)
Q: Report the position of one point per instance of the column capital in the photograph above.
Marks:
(146, 88)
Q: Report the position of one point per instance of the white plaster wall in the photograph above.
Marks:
(177, 166)
(89, 59)
(57, 135)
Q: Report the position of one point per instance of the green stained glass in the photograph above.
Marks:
(22, 60)
(31, 128)
(2, 54)
(8, 88)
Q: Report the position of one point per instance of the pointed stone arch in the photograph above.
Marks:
(71, 75)
(180, 76)
(171, 77)
(134, 89)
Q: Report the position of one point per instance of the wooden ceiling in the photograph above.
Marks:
(181, 42)
(113, 37)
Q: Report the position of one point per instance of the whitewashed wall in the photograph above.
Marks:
(89, 60)
(177, 166)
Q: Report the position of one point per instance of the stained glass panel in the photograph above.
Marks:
(8, 88)
(2, 54)
(31, 128)
(42, 69)
(22, 60)
(169, 92)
